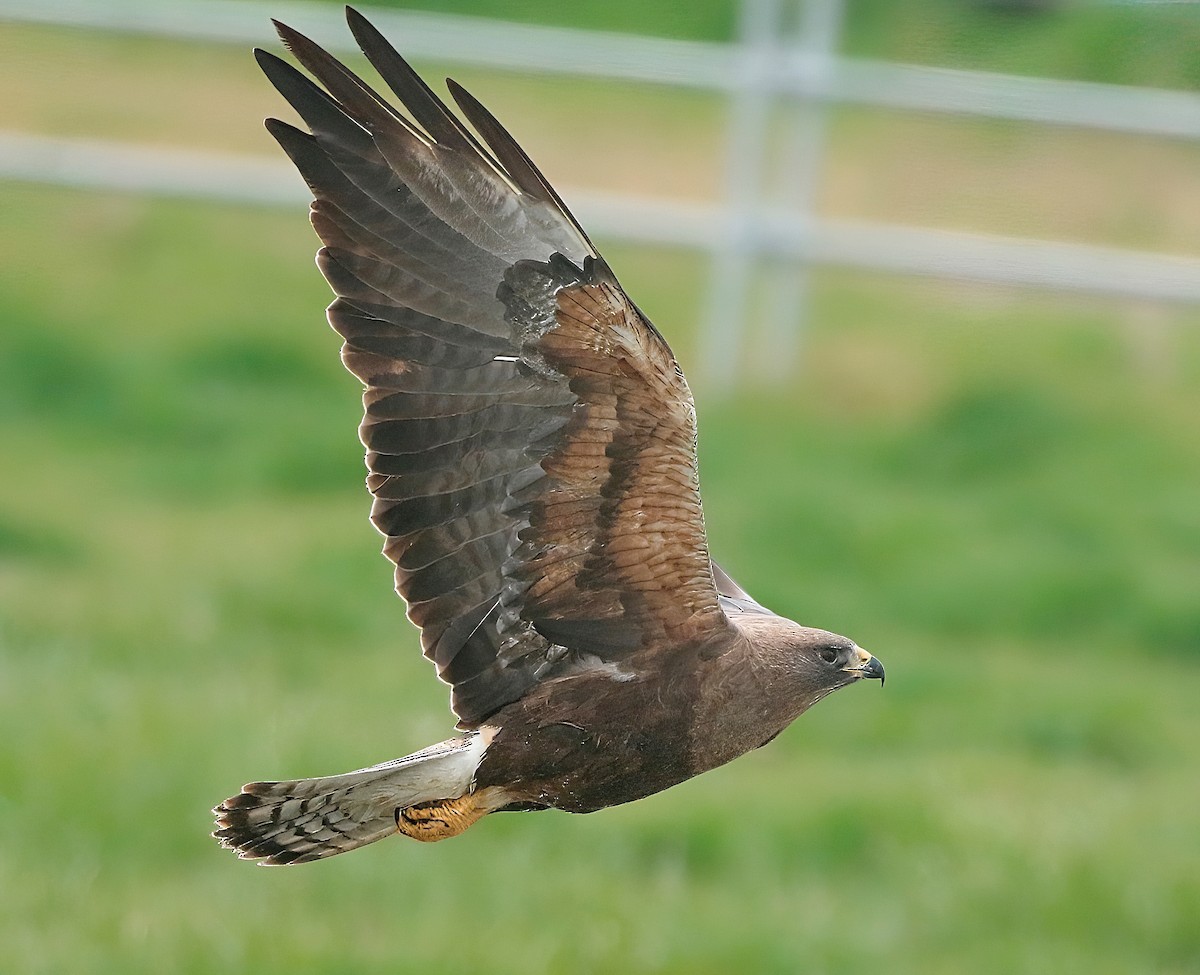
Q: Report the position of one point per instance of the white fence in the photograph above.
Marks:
(770, 59)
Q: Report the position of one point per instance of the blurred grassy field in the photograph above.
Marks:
(994, 491)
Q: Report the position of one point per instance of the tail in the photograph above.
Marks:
(310, 819)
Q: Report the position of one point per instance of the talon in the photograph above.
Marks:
(440, 819)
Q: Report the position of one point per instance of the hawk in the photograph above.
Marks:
(531, 448)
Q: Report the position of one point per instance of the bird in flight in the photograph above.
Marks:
(531, 448)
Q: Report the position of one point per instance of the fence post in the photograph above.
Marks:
(727, 312)
(786, 300)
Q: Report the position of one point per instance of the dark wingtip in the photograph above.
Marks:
(368, 35)
(290, 36)
(275, 126)
(267, 61)
(459, 93)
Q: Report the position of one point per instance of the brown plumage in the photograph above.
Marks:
(531, 448)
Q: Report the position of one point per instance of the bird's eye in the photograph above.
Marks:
(829, 654)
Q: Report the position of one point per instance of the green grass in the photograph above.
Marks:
(981, 487)
(1116, 43)
(994, 491)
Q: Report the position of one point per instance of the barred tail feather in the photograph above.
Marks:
(310, 819)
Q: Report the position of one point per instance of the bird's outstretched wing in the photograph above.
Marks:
(734, 600)
(530, 438)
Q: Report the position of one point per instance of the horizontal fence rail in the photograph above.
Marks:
(94, 164)
(628, 57)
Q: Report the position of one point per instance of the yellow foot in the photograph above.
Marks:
(442, 818)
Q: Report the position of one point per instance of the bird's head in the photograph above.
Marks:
(816, 661)
(832, 661)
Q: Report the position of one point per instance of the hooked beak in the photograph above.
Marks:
(866, 666)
